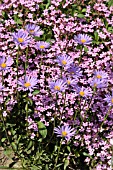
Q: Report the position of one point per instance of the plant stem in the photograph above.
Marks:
(56, 160)
(26, 62)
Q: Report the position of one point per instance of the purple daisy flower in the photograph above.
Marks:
(101, 74)
(75, 71)
(109, 99)
(82, 39)
(64, 60)
(5, 63)
(34, 30)
(83, 92)
(42, 45)
(58, 86)
(28, 83)
(98, 83)
(64, 131)
(70, 81)
(21, 37)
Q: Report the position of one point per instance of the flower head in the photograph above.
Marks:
(21, 37)
(74, 71)
(101, 75)
(70, 81)
(28, 83)
(82, 39)
(64, 60)
(84, 92)
(34, 30)
(42, 45)
(98, 83)
(58, 86)
(64, 131)
(109, 99)
(5, 63)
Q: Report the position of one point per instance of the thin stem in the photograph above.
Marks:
(80, 55)
(26, 62)
(56, 160)
(17, 74)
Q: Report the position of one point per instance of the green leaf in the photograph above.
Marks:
(17, 20)
(14, 146)
(80, 16)
(68, 148)
(66, 163)
(42, 129)
(36, 92)
(110, 3)
(30, 145)
(96, 36)
(3, 139)
(84, 10)
(86, 154)
(85, 49)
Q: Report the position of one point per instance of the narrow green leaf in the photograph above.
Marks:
(80, 16)
(36, 92)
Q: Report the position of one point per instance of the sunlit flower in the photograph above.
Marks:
(83, 39)
(64, 131)
(5, 63)
(64, 60)
(42, 45)
(84, 92)
(34, 30)
(100, 75)
(58, 86)
(70, 81)
(21, 37)
(28, 83)
(109, 99)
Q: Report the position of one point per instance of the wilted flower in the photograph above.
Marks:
(34, 30)
(84, 92)
(42, 45)
(101, 75)
(109, 99)
(28, 83)
(5, 63)
(64, 131)
(21, 37)
(58, 86)
(64, 60)
(82, 39)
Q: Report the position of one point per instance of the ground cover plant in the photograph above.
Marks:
(56, 84)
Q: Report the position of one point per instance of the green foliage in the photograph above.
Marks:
(42, 129)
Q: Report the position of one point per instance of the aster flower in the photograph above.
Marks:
(64, 60)
(83, 92)
(83, 39)
(70, 81)
(5, 63)
(58, 86)
(98, 83)
(34, 30)
(42, 45)
(100, 75)
(21, 37)
(28, 83)
(109, 99)
(74, 71)
(64, 131)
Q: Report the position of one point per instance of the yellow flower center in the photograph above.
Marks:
(27, 84)
(57, 88)
(72, 72)
(99, 76)
(95, 85)
(3, 65)
(21, 40)
(64, 133)
(64, 62)
(81, 93)
(112, 100)
(31, 31)
(42, 46)
(83, 40)
(68, 82)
